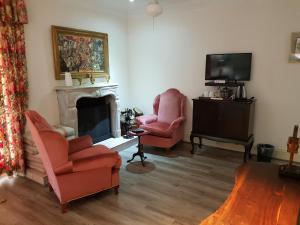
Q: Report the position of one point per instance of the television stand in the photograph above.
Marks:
(224, 121)
(226, 84)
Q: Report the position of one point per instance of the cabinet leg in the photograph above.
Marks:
(200, 142)
(250, 148)
(192, 142)
(246, 153)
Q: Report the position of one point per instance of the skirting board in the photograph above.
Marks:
(280, 154)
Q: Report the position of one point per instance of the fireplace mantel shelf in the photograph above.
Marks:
(97, 85)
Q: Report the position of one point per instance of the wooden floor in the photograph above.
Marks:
(174, 189)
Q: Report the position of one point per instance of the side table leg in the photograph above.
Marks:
(133, 156)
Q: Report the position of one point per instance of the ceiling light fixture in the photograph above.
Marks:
(131, 0)
(154, 9)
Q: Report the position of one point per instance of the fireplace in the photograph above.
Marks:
(92, 110)
(94, 118)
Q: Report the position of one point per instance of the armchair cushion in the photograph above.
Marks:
(146, 119)
(80, 143)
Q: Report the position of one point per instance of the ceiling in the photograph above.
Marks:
(125, 7)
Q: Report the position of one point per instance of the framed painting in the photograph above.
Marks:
(295, 47)
(82, 53)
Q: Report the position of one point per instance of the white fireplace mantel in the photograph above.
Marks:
(68, 97)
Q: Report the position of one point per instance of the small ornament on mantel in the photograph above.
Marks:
(68, 79)
(291, 170)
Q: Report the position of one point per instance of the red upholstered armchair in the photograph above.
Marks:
(166, 125)
(75, 168)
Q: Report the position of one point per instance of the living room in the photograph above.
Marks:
(147, 56)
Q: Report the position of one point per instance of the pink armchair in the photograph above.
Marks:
(166, 125)
(75, 168)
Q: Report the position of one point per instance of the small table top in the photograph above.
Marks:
(139, 134)
(259, 197)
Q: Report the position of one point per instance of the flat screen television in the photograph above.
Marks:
(229, 67)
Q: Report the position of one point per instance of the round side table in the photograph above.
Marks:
(140, 151)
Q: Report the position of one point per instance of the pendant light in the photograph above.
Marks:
(154, 9)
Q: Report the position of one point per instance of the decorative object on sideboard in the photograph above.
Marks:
(80, 52)
(295, 48)
(241, 92)
(291, 170)
(68, 79)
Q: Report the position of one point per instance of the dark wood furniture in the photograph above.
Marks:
(224, 121)
(259, 196)
(140, 151)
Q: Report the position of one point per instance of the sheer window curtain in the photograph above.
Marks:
(13, 85)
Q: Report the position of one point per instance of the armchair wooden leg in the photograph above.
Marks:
(64, 207)
(116, 189)
(168, 151)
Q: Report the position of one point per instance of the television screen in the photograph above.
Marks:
(230, 67)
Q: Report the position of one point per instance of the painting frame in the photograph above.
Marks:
(92, 36)
(294, 56)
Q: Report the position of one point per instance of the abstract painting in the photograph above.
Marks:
(82, 53)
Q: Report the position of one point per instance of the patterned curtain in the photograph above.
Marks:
(13, 84)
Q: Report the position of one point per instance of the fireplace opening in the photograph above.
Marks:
(94, 118)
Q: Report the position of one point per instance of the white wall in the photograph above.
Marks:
(174, 56)
(76, 14)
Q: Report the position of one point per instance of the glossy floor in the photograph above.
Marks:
(174, 189)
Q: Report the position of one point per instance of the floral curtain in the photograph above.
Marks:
(13, 84)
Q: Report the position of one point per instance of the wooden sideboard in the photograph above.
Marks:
(224, 121)
(259, 197)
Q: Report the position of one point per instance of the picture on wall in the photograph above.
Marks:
(82, 53)
(295, 48)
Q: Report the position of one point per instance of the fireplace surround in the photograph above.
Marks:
(69, 96)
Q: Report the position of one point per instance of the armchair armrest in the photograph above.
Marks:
(64, 169)
(146, 119)
(108, 160)
(112, 160)
(176, 123)
(80, 143)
